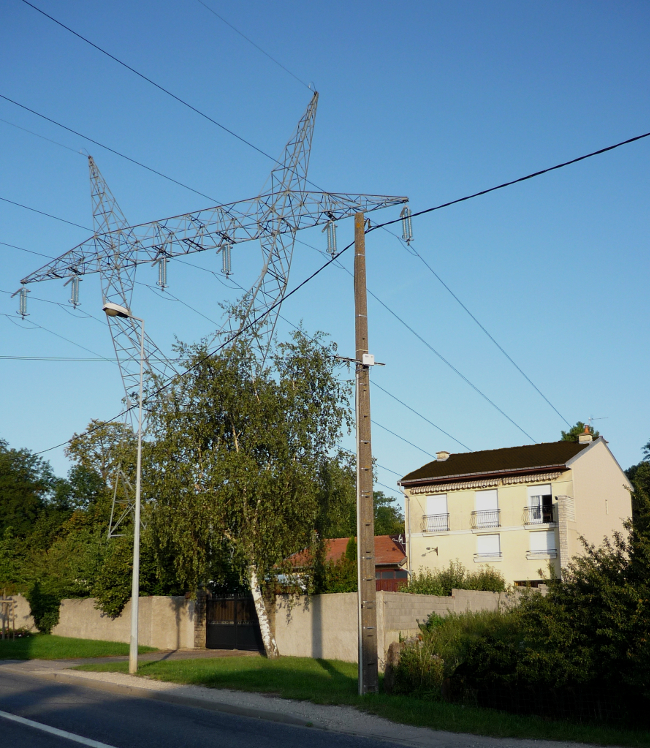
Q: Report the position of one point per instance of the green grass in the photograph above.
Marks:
(49, 647)
(334, 682)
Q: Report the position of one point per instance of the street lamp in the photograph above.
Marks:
(115, 310)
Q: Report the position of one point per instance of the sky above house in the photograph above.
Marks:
(433, 101)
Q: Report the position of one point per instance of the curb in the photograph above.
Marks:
(170, 698)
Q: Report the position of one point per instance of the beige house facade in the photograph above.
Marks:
(515, 509)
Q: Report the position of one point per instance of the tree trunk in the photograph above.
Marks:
(265, 627)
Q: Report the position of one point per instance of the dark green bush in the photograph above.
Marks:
(426, 666)
(44, 608)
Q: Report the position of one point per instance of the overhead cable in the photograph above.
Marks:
(105, 147)
(49, 215)
(513, 181)
(149, 80)
(439, 355)
(410, 248)
(250, 41)
(31, 251)
(42, 137)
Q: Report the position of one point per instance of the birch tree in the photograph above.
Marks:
(237, 457)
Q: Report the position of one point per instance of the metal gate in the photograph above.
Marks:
(231, 623)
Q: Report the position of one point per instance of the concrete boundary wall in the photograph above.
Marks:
(19, 614)
(163, 622)
(326, 625)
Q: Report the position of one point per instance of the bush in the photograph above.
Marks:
(420, 671)
(426, 665)
(442, 581)
(44, 608)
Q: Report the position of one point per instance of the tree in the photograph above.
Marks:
(102, 448)
(574, 432)
(238, 456)
(388, 518)
(26, 485)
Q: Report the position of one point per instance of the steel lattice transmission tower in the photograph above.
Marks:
(273, 218)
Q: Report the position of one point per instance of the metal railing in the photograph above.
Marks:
(549, 552)
(539, 515)
(435, 523)
(485, 518)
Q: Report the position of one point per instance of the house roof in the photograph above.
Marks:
(388, 551)
(530, 457)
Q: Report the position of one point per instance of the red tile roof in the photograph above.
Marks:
(388, 551)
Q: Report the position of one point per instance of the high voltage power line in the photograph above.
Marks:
(152, 82)
(439, 355)
(412, 250)
(97, 143)
(257, 46)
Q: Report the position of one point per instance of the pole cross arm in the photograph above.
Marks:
(210, 229)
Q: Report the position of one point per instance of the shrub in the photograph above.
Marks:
(420, 671)
(426, 666)
(455, 576)
(44, 608)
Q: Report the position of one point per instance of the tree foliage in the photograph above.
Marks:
(27, 485)
(241, 461)
(573, 434)
(388, 518)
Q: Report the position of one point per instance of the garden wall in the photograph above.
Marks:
(326, 625)
(163, 622)
(20, 614)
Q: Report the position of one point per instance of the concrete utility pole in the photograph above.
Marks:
(367, 595)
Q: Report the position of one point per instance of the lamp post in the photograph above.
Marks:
(115, 310)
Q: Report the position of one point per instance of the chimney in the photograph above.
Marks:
(442, 456)
(586, 436)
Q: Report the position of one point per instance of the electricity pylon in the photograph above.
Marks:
(273, 218)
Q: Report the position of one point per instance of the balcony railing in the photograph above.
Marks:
(539, 515)
(435, 523)
(548, 553)
(485, 518)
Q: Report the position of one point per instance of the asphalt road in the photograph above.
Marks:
(130, 722)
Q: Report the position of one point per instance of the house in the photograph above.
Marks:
(390, 559)
(516, 509)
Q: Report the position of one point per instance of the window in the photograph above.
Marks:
(540, 504)
(436, 518)
(542, 544)
(486, 513)
(437, 504)
(488, 546)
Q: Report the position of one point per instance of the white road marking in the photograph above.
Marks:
(55, 731)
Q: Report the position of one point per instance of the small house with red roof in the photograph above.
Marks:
(390, 559)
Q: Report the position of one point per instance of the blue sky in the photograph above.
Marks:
(428, 100)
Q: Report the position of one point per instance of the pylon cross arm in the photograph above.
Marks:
(209, 229)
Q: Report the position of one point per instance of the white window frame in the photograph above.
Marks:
(493, 541)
